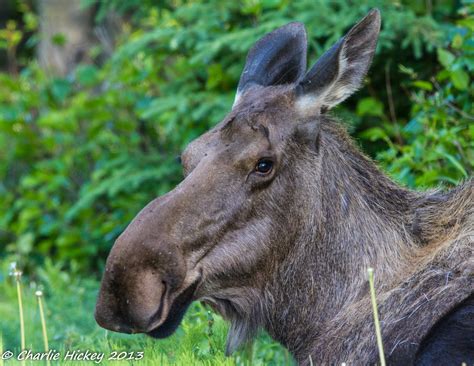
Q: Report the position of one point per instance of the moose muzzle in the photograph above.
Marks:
(145, 287)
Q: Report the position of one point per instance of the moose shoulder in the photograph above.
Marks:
(278, 217)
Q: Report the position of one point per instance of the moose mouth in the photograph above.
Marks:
(176, 313)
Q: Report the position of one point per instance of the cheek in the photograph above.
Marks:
(241, 255)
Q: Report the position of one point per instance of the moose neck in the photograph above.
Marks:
(359, 219)
(363, 215)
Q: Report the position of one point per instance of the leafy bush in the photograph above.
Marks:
(436, 146)
(81, 155)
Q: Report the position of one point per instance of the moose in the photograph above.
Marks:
(278, 217)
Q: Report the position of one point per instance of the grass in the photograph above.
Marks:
(68, 308)
(378, 332)
(44, 329)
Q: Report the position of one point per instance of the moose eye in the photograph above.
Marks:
(264, 166)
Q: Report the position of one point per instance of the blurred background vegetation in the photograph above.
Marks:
(97, 98)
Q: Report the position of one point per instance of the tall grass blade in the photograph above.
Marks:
(22, 320)
(1, 350)
(17, 274)
(378, 332)
(39, 296)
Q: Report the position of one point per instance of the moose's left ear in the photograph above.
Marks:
(340, 70)
(277, 58)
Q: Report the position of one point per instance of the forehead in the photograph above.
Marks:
(260, 101)
(259, 113)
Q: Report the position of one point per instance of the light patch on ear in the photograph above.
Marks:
(312, 104)
(307, 106)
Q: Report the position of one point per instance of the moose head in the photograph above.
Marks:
(250, 206)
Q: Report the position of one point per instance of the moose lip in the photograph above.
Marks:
(176, 313)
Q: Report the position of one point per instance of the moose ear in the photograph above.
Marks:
(340, 71)
(278, 58)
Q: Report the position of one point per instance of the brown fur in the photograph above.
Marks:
(288, 251)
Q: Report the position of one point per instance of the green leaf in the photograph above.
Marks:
(455, 163)
(375, 134)
(457, 41)
(25, 243)
(60, 89)
(425, 85)
(467, 22)
(446, 58)
(460, 79)
(87, 75)
(370, 107)
(59, 39)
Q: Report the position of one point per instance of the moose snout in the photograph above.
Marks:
(133, 304)
(145, 272)
(142, 273)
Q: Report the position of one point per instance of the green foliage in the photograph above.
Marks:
(436, 146)
(76, 164)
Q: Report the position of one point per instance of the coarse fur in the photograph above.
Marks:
(286, 250)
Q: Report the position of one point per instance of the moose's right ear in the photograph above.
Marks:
(339, 72)
(278, 58)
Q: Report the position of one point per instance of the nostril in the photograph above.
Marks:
(159, 311)
(143, 303)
